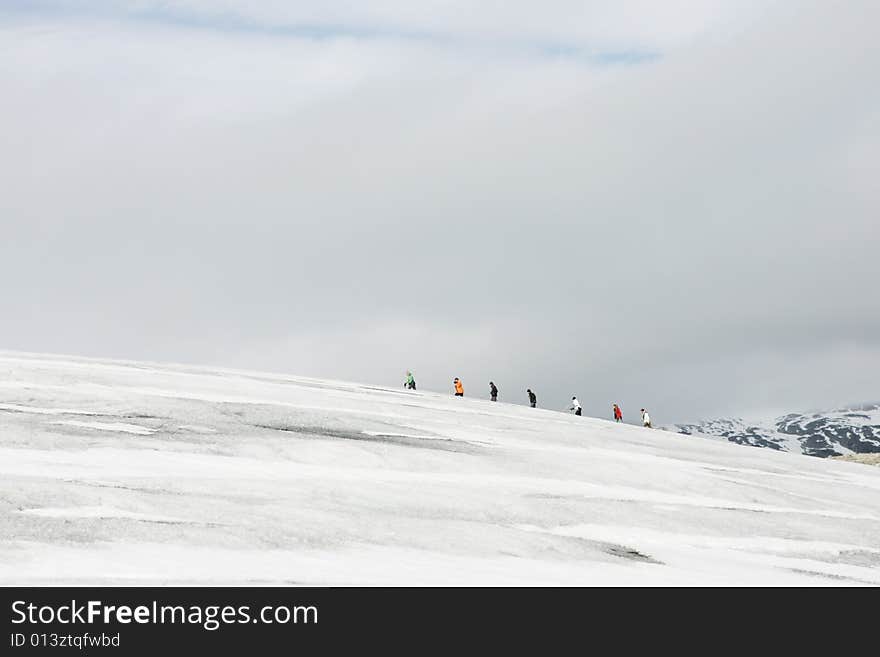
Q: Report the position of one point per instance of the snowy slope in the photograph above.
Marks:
(850, 430)
(115, 472)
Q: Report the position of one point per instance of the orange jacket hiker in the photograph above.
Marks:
(459, 389)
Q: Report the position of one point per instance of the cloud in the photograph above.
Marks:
(695, 233)
(575, 24)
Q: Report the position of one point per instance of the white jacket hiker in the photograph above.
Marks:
(575, 406)
(646, 419)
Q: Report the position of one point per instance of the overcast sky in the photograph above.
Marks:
(673, 205)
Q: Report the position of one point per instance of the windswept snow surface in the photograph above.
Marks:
(185, 475)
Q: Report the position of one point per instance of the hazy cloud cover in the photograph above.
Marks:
(672, 205)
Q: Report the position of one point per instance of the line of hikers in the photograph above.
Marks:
(410, 384)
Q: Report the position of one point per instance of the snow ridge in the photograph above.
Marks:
(146, 474)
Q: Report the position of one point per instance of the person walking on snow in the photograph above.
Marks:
(575, 406)
(493, 391)
(618, 414)
(646, 419)
(410, 383)
(533, 399)
(459, 389)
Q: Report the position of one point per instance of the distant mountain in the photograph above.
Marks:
(851, 430)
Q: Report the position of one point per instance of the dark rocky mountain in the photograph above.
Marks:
(854, 429)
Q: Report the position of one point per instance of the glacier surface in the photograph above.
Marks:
(137, 473)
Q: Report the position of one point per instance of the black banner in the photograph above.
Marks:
(134, 621)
